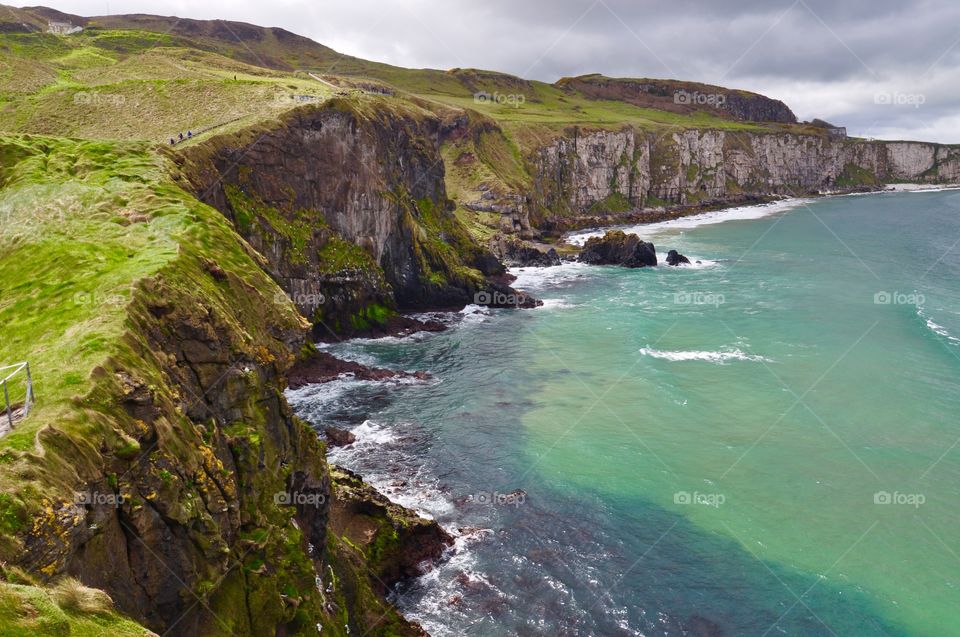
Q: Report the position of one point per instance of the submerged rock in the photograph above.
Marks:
(618, 248)
(674, 258)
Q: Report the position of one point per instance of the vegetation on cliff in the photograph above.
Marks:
(161, 292)
(160, 462)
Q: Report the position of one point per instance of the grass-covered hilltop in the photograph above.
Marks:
(161, 293)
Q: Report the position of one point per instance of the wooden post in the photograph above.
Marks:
(6, 397)
(26, 402)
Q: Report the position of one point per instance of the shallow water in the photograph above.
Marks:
(699, 449)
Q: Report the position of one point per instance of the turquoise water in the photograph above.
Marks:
(763, 444)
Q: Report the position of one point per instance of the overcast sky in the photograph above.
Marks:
(888, 69)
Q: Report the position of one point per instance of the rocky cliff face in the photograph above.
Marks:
(347, 202)
(614, 171)
(178, 479)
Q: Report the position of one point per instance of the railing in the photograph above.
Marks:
(28, 397)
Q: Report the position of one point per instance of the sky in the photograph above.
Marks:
(885, 69)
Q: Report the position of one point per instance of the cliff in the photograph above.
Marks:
(585, 174)
(347, 203)
(161, 463)
(162, 295)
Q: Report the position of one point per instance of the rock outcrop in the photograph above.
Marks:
(584, 173)
(347, 203)
(174, 476)
(516, 252)
(618, 248)
(674, 258)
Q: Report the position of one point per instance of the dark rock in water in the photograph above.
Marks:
(675, 258)
(702, 627)
(321, 367)
(618, 248)
(339, 437)
(516, 252)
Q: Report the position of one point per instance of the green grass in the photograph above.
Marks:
(82, 225)
(854, 175)
(32, 610)
(70, 254)
(132, 85)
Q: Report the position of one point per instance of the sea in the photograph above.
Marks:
(763, 442)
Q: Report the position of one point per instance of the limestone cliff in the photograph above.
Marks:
(617, 171)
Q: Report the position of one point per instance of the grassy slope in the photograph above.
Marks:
(82, 223)
(129, 84)
(85, 225)
(146, 77)
(134, 85)
(27, 609)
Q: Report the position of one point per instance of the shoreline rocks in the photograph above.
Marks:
(516, 252)
(674, 258)
(619, 248)
(337, 437)
(321, 367)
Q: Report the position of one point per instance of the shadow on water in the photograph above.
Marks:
(552, 562)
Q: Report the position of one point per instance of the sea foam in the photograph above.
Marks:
(719, 358)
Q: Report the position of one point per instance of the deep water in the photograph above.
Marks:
(762, 444)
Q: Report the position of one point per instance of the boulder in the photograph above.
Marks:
(618, 248)
(339, 437)
(516, 252)
(674, 258)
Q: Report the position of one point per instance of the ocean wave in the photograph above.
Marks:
(740, 213)
(696, 263)
(417, 490)
(351, 350)
(440, 590)
(324, 394)
(553, 276)
(920, 187)
(935, 327)
(719, 358)
(556, 304)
